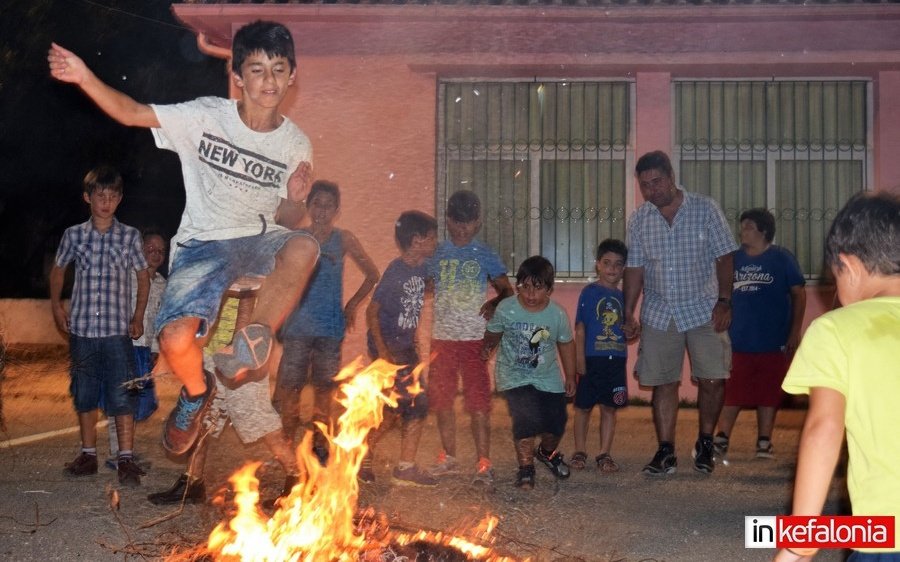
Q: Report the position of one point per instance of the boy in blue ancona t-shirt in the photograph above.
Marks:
(462, 270)
(601, 354)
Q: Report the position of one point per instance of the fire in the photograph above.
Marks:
(316, 521)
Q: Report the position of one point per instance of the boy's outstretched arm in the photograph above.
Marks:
(291, 211)
(820, 447)
(489, 343)
(67, 67)
(365, 264)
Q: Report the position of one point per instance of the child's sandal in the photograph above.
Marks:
(578, 460)
(606, 464)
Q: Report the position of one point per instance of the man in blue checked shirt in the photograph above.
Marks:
(680, 258)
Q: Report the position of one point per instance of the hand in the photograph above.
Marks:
(487, 309)
(571, 385)
(721, 316)
(299, 183)
(65, 65)
(136, 328)
(486, 352)
(61, 319)
(631, 328)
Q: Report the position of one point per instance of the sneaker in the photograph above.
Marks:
(183, 424)
(129, 472)
(112, 463)
(413, 476)
(663, 462)
(554, 461)
(249, 350)
(185, 488)
(83, 465)
(525, 477)
(484, 476)
(720, 445)
(764, 449)
(445, 466)
(704, 454)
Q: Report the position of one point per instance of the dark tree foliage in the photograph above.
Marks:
(51, 134)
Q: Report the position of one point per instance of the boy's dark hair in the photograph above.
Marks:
(656, 160)
(153, 231)
(868, 227)
(271, 38)
(413, 223)
(464, 206)
(612, 245)
(103, 177)
(324, 186)
(764, 221)
(536, 269)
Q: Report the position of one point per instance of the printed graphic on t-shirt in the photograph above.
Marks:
(411, 303)
(532, 343)
(461, 279)
(240, 168)
(751, 278)
(609, 314)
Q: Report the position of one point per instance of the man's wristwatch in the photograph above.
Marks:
(724, 300)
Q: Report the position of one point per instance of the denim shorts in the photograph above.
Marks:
(309, 359)
(202, 270)
(101, 367)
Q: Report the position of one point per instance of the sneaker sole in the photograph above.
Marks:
(652, 472)
(703, 469)
(765, 455)
(251, 348)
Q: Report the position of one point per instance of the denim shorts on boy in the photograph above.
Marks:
(247, 407)
(309, 360)
(409, 406)
(450, 361)
(534, 412)
(604, 383)
(100, 368)
(661, 354)
(202, 270)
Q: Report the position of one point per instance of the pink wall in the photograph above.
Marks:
(366, 92)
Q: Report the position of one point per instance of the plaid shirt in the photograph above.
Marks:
(101, 299)
(679, 261)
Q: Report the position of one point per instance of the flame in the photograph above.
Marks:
(316, 521)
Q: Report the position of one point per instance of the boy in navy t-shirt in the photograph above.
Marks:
(601, 354)
(393, 319)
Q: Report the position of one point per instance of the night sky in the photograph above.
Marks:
(51, 134)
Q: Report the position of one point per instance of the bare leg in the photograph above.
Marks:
(323, 398)
(525, 451)
(280, 448)
(607, 428)
(481, 434)
(710, 396)
(550, 442)
(180, 349)
(125, 432)
(287, 403)
(582, 418)
(665, 411)
(410, 435)
(197, 461)
(87, 425)
(765, 420)
(281, 290)
(728, 417)
(446, 422)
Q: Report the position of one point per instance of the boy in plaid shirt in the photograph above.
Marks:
(100, 322)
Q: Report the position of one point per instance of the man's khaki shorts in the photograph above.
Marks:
(661, 354)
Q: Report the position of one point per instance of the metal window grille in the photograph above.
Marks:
(549, 160)
(800, 148)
